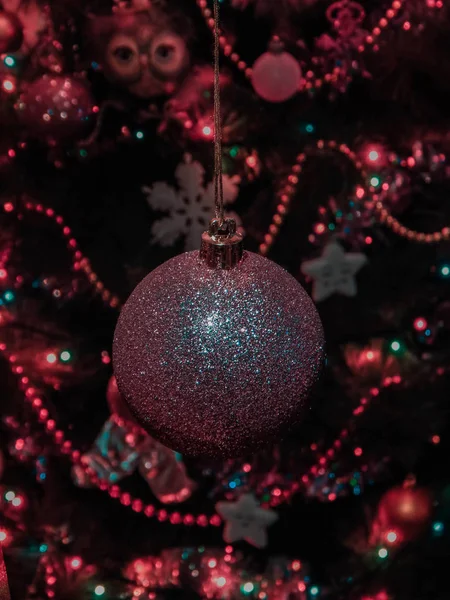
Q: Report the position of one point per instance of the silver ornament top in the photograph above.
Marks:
(222, 246)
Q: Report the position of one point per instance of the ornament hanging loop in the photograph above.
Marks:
(222, 246)
(222, 229)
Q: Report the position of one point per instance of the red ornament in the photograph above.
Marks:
(11, 32)
(55, 107)
(216, 362)
(276, 74)
(406, 509)
(116, 403)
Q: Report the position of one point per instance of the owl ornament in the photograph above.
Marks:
(140, 49)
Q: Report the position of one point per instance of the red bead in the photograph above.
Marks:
(215, 521)
(202, 520)
(125, 499)
(188, 520)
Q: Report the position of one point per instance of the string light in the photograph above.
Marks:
(248, 587)
(375, 181)
(4, 536)
(207, 131)
(420, 324)
(221, 582)
(76, 563)
(383, 553)
(9, 86)
(395, 346)
(99, 590)
(9, 296)
(438, 527)
(391, 537)
(51, 358)
(65, 356)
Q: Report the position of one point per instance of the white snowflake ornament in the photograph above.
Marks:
(190, 208)
(246, 520)
(334, 272)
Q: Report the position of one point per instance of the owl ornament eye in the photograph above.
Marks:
(122, 59)
(168, 54)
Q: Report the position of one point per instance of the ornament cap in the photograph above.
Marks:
(276, 46)
(222, 246)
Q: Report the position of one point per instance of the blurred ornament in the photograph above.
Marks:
(140, 50)
(55, 107)
(11, 32)
(276, 75)
(334, 272)
(406, 509)
(33, 22)
(246, 520)
(114, 455)
(374, 155)
(165, 473)
(189, 207)
(216, 361)
(345, 17)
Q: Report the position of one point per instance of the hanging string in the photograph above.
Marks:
(218, 181)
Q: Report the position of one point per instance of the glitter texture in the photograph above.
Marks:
(4, 591)
(215, 362)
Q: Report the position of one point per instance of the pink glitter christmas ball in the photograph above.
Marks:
(276, 76)
(214, 362)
